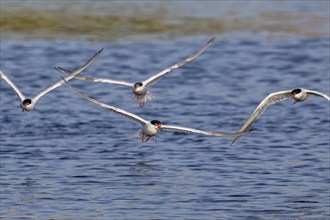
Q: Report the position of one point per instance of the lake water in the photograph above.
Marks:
(71, 159)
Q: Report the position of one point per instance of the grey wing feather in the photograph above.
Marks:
(269, 100)
(156, 77)
(318, 94)
(80, 69)
(119, 111)
(10, 83)
(94, 79)
(210, 133)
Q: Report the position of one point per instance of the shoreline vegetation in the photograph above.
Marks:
(29, 23)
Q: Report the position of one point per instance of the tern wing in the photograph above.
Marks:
(80, 69)
(210, 133)
(119, 111)
(10, 83)
(269, 100)
(94, 79)
(156, 77)
(318, 94)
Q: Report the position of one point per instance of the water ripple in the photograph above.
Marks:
(77, 161)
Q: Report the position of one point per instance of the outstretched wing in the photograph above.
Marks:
(269, 100)
(119, 111)
(10, 83)
(156, 77)
(210, 133)
(318, 94)
(94, 79)
(80, 69)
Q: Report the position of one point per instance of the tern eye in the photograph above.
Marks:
(27, 102)
(296, 91)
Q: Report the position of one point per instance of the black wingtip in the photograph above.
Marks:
(63, 78)
(59, 73)
(211, 40)
(60, 69)
(233, 142)
(100, 50)
(235, 139)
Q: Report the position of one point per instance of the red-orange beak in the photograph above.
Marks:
(293, 96)
(159, 126)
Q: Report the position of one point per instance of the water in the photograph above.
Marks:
(71, 159)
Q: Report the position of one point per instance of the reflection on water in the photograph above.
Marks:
(23, 194)
(26, 194)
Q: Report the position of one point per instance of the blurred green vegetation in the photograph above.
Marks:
(51, 24)
(31, 23)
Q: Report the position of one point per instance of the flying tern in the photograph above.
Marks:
(27, 104)
(298, 95)
(151, 128)
(140, 89)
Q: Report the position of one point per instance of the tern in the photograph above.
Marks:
(151, 128)
(298, 95)
(140, 89)
(28, 104)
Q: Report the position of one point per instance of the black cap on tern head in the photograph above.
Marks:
(296, 91)
(138, 84)
(155, 122)
(27, 102)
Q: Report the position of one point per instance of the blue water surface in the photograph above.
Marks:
(71, 159)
